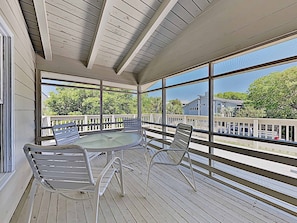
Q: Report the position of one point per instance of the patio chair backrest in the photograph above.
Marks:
(181, 141)
(65, 167)
(65, 133)
(132, 124)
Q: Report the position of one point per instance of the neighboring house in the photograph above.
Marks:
(224, 107)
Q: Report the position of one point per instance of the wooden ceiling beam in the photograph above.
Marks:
(72, 67)
(158, 17)
(102, 21)
(41, 16)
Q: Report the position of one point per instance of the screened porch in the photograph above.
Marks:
(228, 68)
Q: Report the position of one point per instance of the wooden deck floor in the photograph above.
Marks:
(170, 199)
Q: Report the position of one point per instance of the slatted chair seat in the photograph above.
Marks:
(66, 168)
(172, 154)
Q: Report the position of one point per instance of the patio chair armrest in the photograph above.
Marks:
(169, 150)
(159, 140)
(164, 156)
(158, 152)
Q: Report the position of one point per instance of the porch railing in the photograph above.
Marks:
(278, 129)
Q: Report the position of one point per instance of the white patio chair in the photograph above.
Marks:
(174, 154)
(66, 168)
(134, 125)
(68, 133)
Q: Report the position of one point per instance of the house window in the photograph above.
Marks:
(6, 100)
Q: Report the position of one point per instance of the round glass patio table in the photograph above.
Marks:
(109, 142)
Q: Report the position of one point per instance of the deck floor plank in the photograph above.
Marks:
(154, 206)
(52, 211)
(163, 201)
(155, 212)
(44, 206)
(107, 213)
(184, 206)
(36, 205)
(140, 206)
(62, 206)
(170, 199)
(71, 211)
(111, 199)
(81, 218)
(88, 209)
(167, 186)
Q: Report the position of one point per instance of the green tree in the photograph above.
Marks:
(174, 107)
(232, 95)
(276, 93)
(67, 101)
(79, 101)
(250, 112)
(146, 102)
(228, 111)
(156, 104)
(119, 103)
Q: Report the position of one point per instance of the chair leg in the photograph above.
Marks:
(121, 179)
(31, 200)
(193, 185)
(192, 173)
(147, 180)
(96, 206)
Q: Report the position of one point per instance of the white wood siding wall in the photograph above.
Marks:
(24, 67)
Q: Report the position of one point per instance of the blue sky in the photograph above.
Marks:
(237, 83)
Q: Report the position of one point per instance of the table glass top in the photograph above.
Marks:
(109, 141)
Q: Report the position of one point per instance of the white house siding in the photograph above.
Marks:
(192, 108)
(24, 71)
(199, 106)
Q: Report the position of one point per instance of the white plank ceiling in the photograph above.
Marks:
(139, 41)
